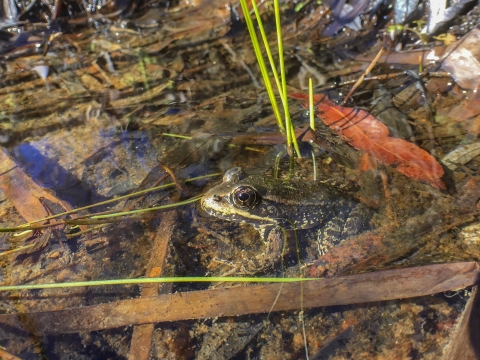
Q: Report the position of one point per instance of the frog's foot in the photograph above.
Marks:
(247, 267)
(240, 268)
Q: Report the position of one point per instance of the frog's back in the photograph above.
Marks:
(296, 191)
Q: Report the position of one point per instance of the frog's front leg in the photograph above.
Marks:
(274, 240)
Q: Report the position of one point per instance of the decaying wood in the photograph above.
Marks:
(142, 334)
(465, 342)
(361, 288)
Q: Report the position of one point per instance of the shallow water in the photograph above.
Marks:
(99, 126)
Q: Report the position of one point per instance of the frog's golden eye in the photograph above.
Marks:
(245, 196)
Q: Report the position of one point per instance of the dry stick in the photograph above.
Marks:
(142, 334)
(367, 71)
(241, 63)
(430, 118)
(172, 175)
(102, 73)
(138, 99)
(361, 288)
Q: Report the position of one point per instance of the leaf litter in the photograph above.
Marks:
(103, 123)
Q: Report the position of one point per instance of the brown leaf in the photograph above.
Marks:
(364, 132)
(466, 110)
(22, 191)
(365, 163)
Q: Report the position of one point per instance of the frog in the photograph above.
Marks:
(274, 206)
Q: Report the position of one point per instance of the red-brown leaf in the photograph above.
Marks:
(366, 163)
(362, 131)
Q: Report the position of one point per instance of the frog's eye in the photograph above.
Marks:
(245, 196)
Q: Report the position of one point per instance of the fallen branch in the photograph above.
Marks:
(361, 288)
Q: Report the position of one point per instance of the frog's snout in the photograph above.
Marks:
(210, 202)
(201, 209)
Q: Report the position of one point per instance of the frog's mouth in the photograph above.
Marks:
(216, 205)
(200, 210)
(212, 205)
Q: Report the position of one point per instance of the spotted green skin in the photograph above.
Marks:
(291, 204)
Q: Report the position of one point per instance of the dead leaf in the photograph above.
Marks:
(364, 132)
(22, 191)
(7, 356)
(461, 155)
(365, 163)
(468, 108)
(407, 57)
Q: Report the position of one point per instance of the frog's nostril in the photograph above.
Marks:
(216, 198)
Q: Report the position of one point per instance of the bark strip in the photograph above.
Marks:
(361, 288)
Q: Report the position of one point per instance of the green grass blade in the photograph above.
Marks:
(87, 219)
(178, 136)
(310, 103)
(152, 280)
(261, 63)
(140, 211)
(26, 225)
(267, 49)
(291, 139)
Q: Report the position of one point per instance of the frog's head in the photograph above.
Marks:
(240, 198)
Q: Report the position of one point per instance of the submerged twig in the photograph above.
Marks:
(365, 73)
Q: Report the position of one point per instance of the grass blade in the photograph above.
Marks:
(261, 63)
(310, 103)
(267, 49)
(291, 139)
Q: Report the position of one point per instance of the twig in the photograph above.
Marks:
(362, 77)
(142, 334)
